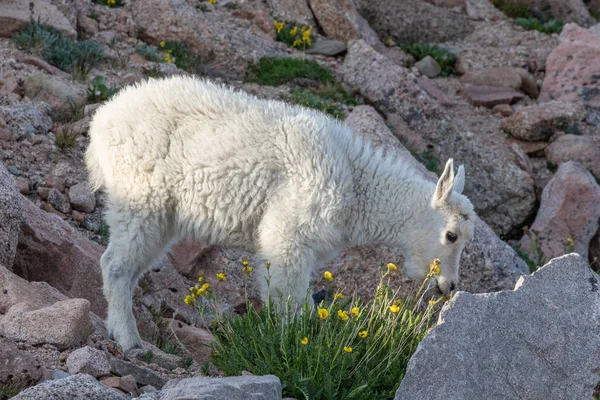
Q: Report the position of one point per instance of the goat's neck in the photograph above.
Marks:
(388, 202)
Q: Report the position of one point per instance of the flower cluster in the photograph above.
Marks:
(292, 36)
(197, 291)
(434, 268)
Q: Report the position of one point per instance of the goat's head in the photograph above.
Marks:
(442, 231)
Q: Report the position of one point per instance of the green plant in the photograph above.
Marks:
(445, 59)
(98, 91)
(78, 58)
(549, 27)
(187, 362)
(153, 72)
(294, 36)
(149, 356)
(184, 58)
(551, 166)
(104, 231)
(110, 3)
(428, 159)
(535, 258)
(276, 71)
(10, 390)
(512, 10)
(346, 349)
(150, 53)
(595, 13)
(65, 138)
(306, 98)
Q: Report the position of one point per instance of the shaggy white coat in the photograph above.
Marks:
(183, 157)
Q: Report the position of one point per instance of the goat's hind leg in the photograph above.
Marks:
(135, 243)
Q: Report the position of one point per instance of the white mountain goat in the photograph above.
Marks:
(183, 157)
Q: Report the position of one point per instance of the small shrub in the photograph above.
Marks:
(78, 58)
(512, 10)
(99, 91)
(149, 356)
(65, 139)
(294, 36)
(530, 23)
(276, 71)
(110, 3)
(340, 350)
(307, 98)
(446, 59)
(184, 58)
(150, 53)
(429, 160)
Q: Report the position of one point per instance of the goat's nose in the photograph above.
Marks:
(452, 286)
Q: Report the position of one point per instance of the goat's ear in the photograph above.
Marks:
(443, 189)
(459, 180)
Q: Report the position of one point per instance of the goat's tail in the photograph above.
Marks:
(94, 169)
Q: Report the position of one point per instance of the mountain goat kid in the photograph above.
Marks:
(183, 157)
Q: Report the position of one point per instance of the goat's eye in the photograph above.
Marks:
(451, 236)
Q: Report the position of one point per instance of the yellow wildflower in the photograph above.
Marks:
(323, 313)
(278, 26)
(328, 275)
(434, 268)
(392, 267)
(398, 302)
(245, 262)
(355, 311)
(247, 270)
(343, 315)
(267, 265)
(162, 44)
(338, 296)
(294, 31)
(432, 303)
(111, 2)
(570, 242)
(212, 1)
(200, 278)
(221, 277)
(394, 309)
(363, 334)
(189, 300)
(168, 58)
(304, 341)
(348, 349)
(297, 43)
(389, 42)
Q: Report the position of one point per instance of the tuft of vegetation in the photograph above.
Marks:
(153, 72)
(182, 55)
(535, 258)
(150, 53)
(294, 36)
(446, 59)
(110, 3)
(75, 57)
(65, 139)
(149, 356)
(276, 71)
(327, 99)
(99, 90)
(512, 10)
(104, 231)
(342, 349)
(549, 27)
(307, 98)
(429, 160)
(10, 390)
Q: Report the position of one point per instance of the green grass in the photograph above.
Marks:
(549, 27)
(75, 57)
(99, 91)
(274, 71)
(327, 98)
(446, 59)
(10, 390)
(512, 10)
(326, 358)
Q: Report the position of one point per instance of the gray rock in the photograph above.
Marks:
(88, 360)
(26, 119)
(82, 198)
(59, 201)
(429, 67)
(490, 96)
(18, 367)
(540, 122)
(539, 341)
(143, 376)
(76, 387)
(10, 218)
(292, 11)
(158, 357)
(503, 194)
(62, 97)
(327, 47)
(582, 149)
(16, 14)
(414, 21)
(266, 387)
(64, 324)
